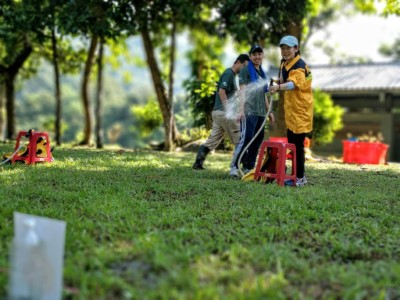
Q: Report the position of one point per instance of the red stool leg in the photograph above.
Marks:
(35, 137)
(281, 164)
(292, 157)
(48, 150)
(257, 173)
(17, 145)
(32, 148)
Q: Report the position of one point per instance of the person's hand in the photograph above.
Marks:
(240, 116)
(273, 89)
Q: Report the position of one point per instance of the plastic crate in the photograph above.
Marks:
(364, 152)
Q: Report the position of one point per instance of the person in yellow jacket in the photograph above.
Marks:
(295, 83)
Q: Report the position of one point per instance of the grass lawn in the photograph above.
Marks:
(144, 225)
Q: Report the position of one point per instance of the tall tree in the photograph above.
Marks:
(2, 115)
(19, 21)
(152, 18)
(157, 20)
(99, 94)
(54, 7)
(98, 21)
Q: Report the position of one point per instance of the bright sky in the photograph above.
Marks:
(355, 36)
(359, 35)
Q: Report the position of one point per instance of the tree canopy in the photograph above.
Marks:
(71, 34)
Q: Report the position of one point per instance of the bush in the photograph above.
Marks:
(148, 116)
(327, 118)
(194, 134)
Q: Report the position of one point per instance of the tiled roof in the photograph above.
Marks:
(356, 77)
(372, 76)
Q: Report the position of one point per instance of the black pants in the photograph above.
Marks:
(298, 140)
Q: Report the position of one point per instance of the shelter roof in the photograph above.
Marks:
(355, 77)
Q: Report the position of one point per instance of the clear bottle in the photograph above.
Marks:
(27, 254)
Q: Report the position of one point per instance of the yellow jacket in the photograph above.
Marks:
(298, 103)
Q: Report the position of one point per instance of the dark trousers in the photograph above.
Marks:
(248, 128)
(298, 140)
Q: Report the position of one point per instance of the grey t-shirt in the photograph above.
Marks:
(226, 82)
(255, 94)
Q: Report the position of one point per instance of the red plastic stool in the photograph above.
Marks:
(278, 151)
(34, 139)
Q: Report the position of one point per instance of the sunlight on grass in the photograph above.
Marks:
(145, 225)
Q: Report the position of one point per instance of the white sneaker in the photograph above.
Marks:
(234, 172)
(301, 181)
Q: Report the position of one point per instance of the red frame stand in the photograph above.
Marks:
(31, 158)
(279, 150)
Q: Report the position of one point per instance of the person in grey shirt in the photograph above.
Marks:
(254, 105)
(228, 86)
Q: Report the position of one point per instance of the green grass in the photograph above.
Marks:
(144, 225)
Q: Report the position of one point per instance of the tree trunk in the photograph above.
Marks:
(9, 73)
(2, 115)
(57, 88)
(10, 106)
(98, 110)
(163, 101)
(175, 133)
(85, 91)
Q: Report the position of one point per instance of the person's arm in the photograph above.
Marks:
(224, 98)
(242, 94)
(287, 86)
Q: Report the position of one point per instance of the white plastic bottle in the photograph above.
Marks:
(27, 263)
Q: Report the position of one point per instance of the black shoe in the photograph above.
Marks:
(201, 157)
(197, 166)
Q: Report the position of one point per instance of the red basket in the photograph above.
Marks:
(278, 139)
(364, 152)
(282, 139)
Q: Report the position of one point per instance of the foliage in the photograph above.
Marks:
(144, 225)
(206, 68)
(148, 116)
(35, 105)
(327, 118)
(48, 125)
(366, 6)
(391, 50)
(209, 24)
(194, 134)
(392, 7)
(201, 95)
(319, 15)
(259, 21)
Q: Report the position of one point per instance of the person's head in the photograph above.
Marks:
(256, 55)
(242, 58)
(289, 47)
(240, 62)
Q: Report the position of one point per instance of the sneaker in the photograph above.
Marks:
(301, 181)
(288, 182)
(234, 172)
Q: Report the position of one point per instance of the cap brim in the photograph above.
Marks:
(257, 50)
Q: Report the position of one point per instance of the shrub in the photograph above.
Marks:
(327, 118)
(148, 116)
